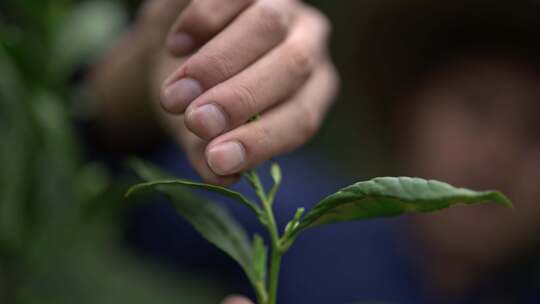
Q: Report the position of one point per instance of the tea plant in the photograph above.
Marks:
(377, 198)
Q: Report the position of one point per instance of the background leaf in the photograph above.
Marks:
(18, 139)
(83, 33)
(389, 196)
(61, 229)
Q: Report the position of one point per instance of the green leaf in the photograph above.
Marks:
(211, 220)
(275, 172)
(161, 179)
(290, 231)
(389, 197)
(147, 171)
(85, 32)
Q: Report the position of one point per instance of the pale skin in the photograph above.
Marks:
(220, 64)
(255, 57)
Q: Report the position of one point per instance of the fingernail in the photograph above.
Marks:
(207, 121)
(226, 158)
(180, 94)
(180, 43)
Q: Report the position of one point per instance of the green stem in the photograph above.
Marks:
(260, 292)
(277, 253)
(277, 250)
(275, 266)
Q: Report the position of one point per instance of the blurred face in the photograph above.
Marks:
(475, 123)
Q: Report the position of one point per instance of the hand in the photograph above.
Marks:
(236, 300)
(250, 57)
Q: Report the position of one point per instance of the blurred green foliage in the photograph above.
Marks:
(58, 243)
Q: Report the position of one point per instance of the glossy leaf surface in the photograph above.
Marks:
(389, 197)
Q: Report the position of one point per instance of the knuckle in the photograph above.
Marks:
(159, 15)
(196, 18)
(246, 98)
(311, 123)
(262, 138)
(271, 20)
(210, 66)
(319, 18)
(315, 15)
(324, 23)
(300, 60)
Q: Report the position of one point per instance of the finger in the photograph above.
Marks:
(269, 81)
(201, 20)
(262, 27)
(280, 130)
(194, 148)
(237, 300)
(159, 15)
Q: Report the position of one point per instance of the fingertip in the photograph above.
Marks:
(226, 158)
(207, 121)
(208, 176)
(176, 96)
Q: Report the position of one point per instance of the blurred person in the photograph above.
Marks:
(473, 122)
(463, 111)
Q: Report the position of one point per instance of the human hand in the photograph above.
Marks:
(242, 58)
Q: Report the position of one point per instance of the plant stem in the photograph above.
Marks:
(260, 293)
(275, 266)
(277, 250)
(277, 254)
